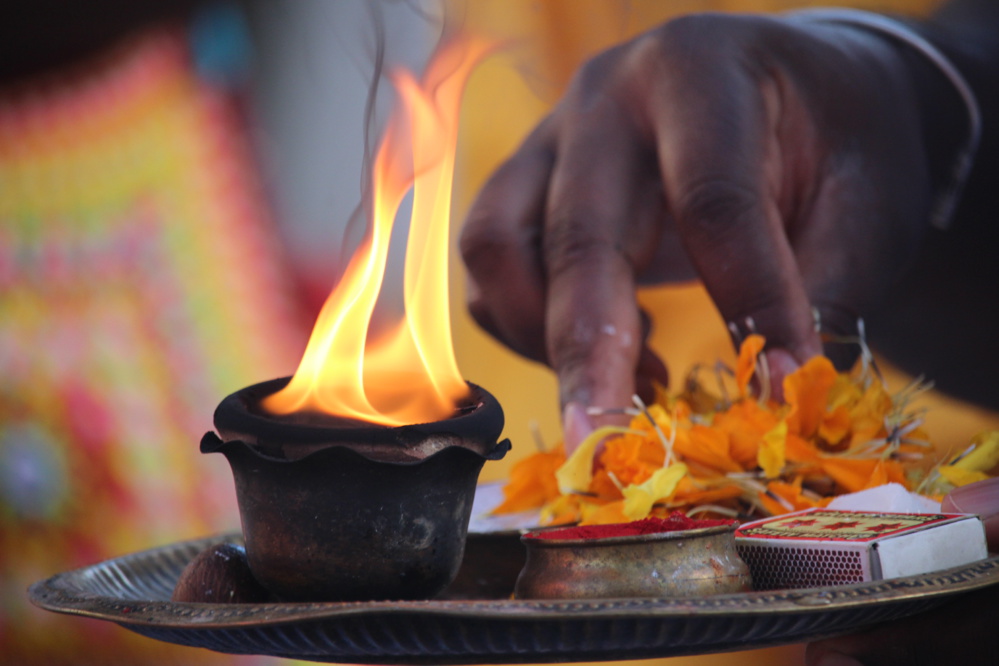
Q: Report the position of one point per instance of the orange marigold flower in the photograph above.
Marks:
(791, 493)
(806, 390)
(603, 486)
(859, 474)
(633, 458)
(532, 482)
(745, 365)
(706, 446)
(867, 415)
(745, 422)
(800, 450)
(839, 432)
(689, 493)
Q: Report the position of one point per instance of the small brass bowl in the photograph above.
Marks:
(682, 563)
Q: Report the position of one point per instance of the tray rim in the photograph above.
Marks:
(62, 593)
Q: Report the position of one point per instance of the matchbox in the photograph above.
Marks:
(822, 547)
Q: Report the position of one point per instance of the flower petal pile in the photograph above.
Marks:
(703, 452)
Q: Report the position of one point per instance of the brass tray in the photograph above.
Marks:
(134, 591)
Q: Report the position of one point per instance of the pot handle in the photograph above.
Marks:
(211, 443)
(496, 453)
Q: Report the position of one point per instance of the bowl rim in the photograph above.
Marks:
(532, 537)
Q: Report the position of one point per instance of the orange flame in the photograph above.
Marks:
(408, 374)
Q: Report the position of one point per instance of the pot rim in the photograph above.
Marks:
(212, 443)
(238, 417)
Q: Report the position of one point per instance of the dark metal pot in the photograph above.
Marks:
(342, 511)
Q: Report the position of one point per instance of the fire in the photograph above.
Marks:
(408, 374)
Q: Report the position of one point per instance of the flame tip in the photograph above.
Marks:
(409, 375)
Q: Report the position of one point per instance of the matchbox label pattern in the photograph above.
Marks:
(825, 524)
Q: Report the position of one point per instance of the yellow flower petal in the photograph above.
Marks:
(985, 456)
(771, 455)
(575, 474)
(563, 510)
(835, 425)
(604, 514)
(638, 500)
(960, 476)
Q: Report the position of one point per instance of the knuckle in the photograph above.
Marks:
(699, 45)
(690, 33)
(478, 233)
(479, 310)
(594, 77)
(570, 352)
(766, 309)
(485, 243)
(698, 29)
(606, 86)
(569, 245)
(716, 206)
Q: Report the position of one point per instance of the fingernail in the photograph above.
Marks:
(576, 426)
(981, 498)
(836, 659)
(780, 363)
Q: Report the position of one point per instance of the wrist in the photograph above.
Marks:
(967, 32)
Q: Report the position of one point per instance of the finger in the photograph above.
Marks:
(500, 245)
(598, 227)
(721, 175)
(650, 371)
(670, 264)
(650, 374)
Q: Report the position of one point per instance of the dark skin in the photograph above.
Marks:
(788, 166)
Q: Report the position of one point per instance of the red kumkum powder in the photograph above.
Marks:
(676, 522)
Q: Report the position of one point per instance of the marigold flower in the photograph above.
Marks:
(703, 452)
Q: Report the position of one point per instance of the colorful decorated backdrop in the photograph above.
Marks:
(140, 282)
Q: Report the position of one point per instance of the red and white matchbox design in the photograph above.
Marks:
(822, 547)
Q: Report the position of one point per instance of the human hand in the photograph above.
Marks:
(781, 163)
(964, 632)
